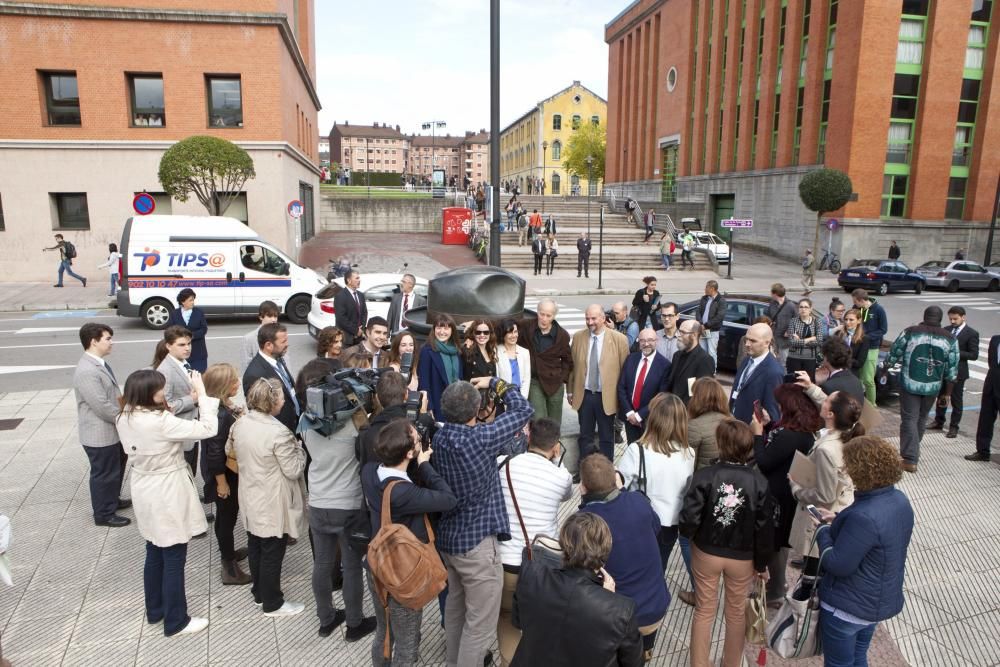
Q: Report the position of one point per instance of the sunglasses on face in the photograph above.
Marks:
(482, 333)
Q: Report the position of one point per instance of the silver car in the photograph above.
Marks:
(959, 274)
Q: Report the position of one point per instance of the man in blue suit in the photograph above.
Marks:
(192, 319)
(757, 378)
(643, 376)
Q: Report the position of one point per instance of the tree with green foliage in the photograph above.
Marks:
(823, 191)
(212, 169)
(589, 140)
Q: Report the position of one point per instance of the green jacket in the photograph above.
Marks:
(929, 359)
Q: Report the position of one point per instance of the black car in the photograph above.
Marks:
(881, 276)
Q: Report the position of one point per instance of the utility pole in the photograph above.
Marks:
(495, 132)
(590, 181)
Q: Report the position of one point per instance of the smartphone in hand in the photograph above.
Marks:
(758, 411)
(815, 512)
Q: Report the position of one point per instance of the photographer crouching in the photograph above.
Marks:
(465, 454)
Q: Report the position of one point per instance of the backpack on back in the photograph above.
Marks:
(69, 249)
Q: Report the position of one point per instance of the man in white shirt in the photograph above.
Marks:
(267, 313)
(402, 301)
(667, 342)
(534, 485)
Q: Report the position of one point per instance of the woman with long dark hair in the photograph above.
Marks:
(513, 361)
(480, 352)
(440, 361)
(114, 257)
(805, 335)
(796, 431)
(164, 496)
(646, 300)
(404, 343)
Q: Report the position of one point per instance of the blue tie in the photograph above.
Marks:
(286, 379)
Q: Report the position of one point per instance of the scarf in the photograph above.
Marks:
(449, 357)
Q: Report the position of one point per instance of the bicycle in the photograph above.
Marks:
(830, 261)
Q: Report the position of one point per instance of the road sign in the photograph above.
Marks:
(143, 203)
(832, 224)
(737, 223)
(296, 208)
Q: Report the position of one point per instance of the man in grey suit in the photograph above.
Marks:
(403, 301)
(97, 408)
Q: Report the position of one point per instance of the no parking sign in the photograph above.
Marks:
(143, 203)
(296, 208)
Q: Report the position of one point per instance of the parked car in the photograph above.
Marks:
(709, 241)
(881, 276)
(378, 289)
(959, 274)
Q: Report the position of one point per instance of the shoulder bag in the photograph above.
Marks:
(544, 549)
(794, 630)
(639, 484)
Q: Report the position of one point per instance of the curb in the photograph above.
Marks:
(24, 307)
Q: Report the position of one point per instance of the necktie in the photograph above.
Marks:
(187, 367)
(745, 375)
(954, 331)
(357, 302)
(594, 381)
(286, 379)
(638, 384)
(406, 302)
(111, 373)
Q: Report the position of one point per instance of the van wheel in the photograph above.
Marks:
(297, 308)
(156, 313)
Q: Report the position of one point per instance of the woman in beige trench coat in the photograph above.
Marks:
(164, 496)
(271, 462)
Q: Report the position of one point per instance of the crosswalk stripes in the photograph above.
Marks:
(971, 302)
(569, 318)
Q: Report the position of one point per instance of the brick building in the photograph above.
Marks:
(376, 147)
(719, 107)
(95, 92)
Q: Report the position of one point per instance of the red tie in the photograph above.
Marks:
(406, 302)
(638, 384)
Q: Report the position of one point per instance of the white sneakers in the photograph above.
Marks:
(287, 609)
(196, 624)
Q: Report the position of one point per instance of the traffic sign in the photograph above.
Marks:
(832, 224)
(737, 223)
(296, 208)
(143, 203)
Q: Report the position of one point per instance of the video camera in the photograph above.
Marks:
(330, 404)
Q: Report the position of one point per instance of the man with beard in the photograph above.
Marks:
(690, 362)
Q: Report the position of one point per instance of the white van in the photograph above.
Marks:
(225, 262)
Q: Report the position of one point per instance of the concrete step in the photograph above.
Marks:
(615, 257)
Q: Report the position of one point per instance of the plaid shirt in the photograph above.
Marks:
(466, 457)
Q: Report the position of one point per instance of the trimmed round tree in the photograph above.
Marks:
(212, 169)
(822, 191)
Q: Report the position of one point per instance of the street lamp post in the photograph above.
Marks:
(495, 132)
(545, 147)
(433, 125)
(368, 170)
(590, 178)
(600, 253)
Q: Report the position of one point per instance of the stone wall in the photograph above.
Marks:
(380, 215)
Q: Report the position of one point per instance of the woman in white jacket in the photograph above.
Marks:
(164, 496)
(112, 266)
(668, 462)
(513, 361)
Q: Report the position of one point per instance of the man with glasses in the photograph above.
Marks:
(402, 301)
(667, 340)
(690, 362)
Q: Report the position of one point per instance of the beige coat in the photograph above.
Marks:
(164, 496)
(613, 354)
(271, 461)
(834, 491)
(701, 438)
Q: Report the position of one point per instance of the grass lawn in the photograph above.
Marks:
(362, 192)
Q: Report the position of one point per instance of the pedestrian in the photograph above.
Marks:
(624, 324)
(402, 301)
(690, 362)
(643, 378)
(667, 247)
(403, 343)
(833, 322)
(647, 301)
(550, 225)
(193, 319)
(440, 362)
(989, 405)
(271, 462)
(267, 313)
(876, 326)
(631, 207)
(780, 310)
(164, 499)
(583, 248)
(538, 250)
(222, 480)
(270, 363)
(522, 226)
(67, 252)
(97, 408)
(893, 250)
(513, 361)
(171, 361)
(968, 350)
(548, 343)
(687, 248)
(465, 452)
(757, 377)
(351, 309)
(853, 335)
(805, 335)
(479, 351)
(711, 312)
(112, 263)
(864, 550)
(837, 361)
(728, 516)
(649, 222)
(808, 272)
(958, 255)
(929, 357)
(374, 343)
(551, 252)
(535, 223)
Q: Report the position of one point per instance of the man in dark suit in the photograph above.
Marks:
(643, 376)
(583, 247)
(690, 362)
(402, 301)
(270, 363)
(350, 309)
(538, 250)
(192, 319)
(757, 377)
(837, 357)
(968, 350)
(990, 406)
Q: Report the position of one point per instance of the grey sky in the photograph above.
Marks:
(407, 62)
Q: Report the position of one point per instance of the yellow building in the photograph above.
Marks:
(531, 148)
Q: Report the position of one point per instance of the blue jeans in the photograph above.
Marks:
(66, 265)
(844, 644)
(163, 582)
(685, 545)
(710, 343)
(114, 284)
(666, 261)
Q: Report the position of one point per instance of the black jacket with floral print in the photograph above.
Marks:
(728, 512)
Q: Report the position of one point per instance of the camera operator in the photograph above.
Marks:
(392, 394)
(465, 453)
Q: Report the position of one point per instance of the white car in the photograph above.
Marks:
(378, 289)
(709, 241)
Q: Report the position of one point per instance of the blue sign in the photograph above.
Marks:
(143, 203)
(832, 224)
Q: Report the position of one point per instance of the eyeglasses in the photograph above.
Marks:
(480, 332)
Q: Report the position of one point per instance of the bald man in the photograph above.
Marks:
(599, 353)
(757, 377)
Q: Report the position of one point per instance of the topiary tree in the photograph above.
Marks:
(822, 191)
(589, 140)
(213, 169)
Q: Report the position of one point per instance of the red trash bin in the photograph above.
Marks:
(455, 225)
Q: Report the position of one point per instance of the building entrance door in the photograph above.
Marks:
(307, 223)
(722, 208)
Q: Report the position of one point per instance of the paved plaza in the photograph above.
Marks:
(78, 600)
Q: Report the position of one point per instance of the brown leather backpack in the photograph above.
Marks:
(403, 566)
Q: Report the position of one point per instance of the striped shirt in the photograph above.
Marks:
(540, 487)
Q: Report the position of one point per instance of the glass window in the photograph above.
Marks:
(556, 121)
(265, 260)
(915, 7)
(556, 150)
(898, 150)
(956, 198)
(238, 209)
(62, 98)
(894, 195)
(595, 120)
(909, 50)
(576, 121)
(225, 104)
(556, 182)
(976, 49)
(71, 210)
(906, 85)
(146, 91)
(981, 10)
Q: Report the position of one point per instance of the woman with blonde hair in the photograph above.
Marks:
(164, 496)
(271, 463)
(660, 465)
(222, 473)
